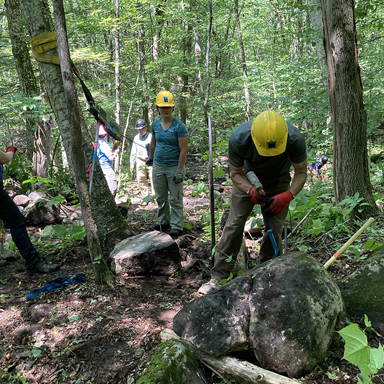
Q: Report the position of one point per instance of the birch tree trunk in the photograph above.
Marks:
(102, 273)
(117, 76)
(110, 224)
(142, 75)
(36, 134)
(117, 60)
(350, 158)
(243, 61)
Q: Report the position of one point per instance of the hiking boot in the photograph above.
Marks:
(159, 227)
(211, 286)
(43, 266)
(175, 232)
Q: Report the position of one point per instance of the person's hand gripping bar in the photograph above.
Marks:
(256, 191)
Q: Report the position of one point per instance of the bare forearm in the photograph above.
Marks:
(299, 177)
(152, 147)
(238, 179)
(182, 158)
(297, 184)
(6, 157)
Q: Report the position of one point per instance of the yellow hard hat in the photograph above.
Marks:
(165, 99)
(269, 133)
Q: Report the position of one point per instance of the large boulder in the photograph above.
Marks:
(363, 290)
(285, 309)
(153, 253)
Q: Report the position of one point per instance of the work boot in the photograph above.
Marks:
(175, 232)
(211, 286)
(43, 266)
(159, 227)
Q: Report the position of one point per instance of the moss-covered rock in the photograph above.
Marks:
(173, 363)
(363, 290)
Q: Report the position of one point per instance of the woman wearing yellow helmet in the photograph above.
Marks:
(168, 152)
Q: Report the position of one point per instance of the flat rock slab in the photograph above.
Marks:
(151, 253)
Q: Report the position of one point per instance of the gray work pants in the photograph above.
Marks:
(231, 239)
(169, 196)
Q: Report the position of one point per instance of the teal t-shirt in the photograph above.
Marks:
(167, 150)
(243, 152)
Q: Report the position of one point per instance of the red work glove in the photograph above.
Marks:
(257, 197)
(278, 202)
(11, 149)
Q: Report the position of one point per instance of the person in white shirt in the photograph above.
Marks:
(139, 154)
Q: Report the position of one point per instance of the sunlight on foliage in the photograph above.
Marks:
(358, 352)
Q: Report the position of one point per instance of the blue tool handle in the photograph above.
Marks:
(273, 241)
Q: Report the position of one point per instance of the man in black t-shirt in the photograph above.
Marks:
(268, 146)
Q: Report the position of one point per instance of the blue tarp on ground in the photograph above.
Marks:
(57, 283)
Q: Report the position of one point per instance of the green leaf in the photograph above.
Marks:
(316, 224)
(47, 230)
(368, 244)
(366, 321)
(60, 230)
(147, 199)
(356, 347)
(36, 352)
(355, 251)
(73, 318)
(377, 358)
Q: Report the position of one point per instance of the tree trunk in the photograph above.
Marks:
(243, 61)
(102, 273)
(350, 158)
(35, 132)
(317, 25)
(110, 224)
(117, 61)
(117, 75)
(142, 74)
(187, 45)
(207, 54)
(41, 153)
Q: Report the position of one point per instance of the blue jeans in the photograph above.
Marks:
(15, 221)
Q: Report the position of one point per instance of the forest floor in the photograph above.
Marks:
(86, 333)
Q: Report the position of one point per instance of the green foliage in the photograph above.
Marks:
(199, 189)
(73, 318)
(18, 169)
(36, 352)
(149, 198)
(97, 259)
(358, 352)
(67, 235)
(326, 215)
(58, 187)
(11, 378)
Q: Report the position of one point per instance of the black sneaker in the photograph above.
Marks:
(43, 266)
(175, 232)
(159, 227)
